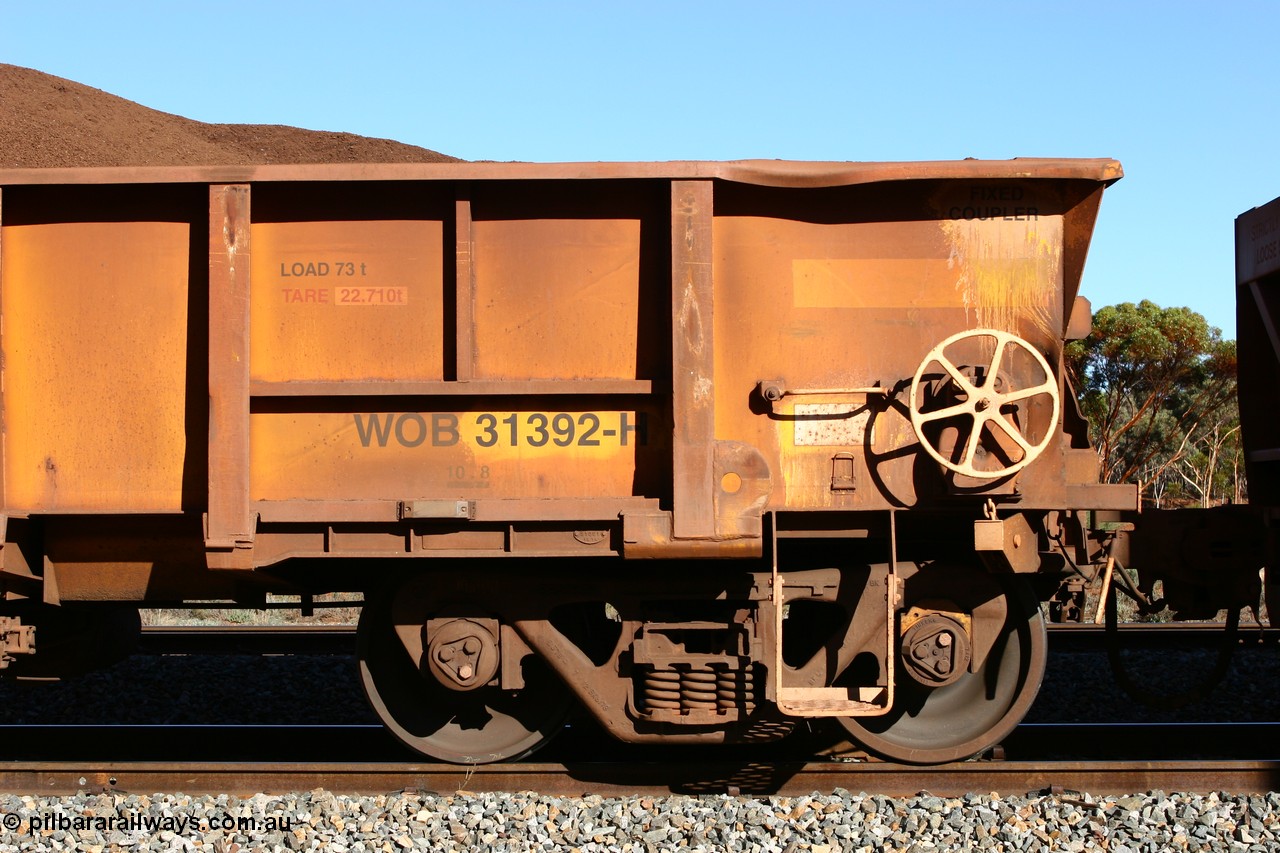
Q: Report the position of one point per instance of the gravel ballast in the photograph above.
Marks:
(524, 821)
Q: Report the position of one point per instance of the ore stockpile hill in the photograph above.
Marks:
(46, 121)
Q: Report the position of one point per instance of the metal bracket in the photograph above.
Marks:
(437, 509)
(232, 551)
(1007, 544)
(18, 639)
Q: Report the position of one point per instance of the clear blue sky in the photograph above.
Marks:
(1181, 93)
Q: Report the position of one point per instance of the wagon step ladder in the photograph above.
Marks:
(837, 701)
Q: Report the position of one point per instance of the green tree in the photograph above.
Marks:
(1158, 387)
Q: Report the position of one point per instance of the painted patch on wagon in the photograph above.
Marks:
(831, 424)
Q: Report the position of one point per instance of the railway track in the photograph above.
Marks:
(248, 639)
(363, 759)
(1099, 778)
(1101, 759)
(585, 743)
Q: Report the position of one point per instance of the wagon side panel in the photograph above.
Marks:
(103, 402)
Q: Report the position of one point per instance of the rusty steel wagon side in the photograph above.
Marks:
(708, 448)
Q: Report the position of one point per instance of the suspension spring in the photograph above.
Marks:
(662, 689)
(703, 689)
(698, 690)
(736, 688)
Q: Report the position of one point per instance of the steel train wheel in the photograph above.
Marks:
(959, 720)
(472, 727)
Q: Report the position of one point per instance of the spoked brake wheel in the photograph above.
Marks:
(988, 402)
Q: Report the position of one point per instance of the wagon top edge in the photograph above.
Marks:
(1257, 238)
(774, 173)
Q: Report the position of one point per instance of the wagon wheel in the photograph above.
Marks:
(972, 713)
(983, 406)
(473, 727)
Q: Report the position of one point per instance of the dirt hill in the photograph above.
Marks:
(46, 121)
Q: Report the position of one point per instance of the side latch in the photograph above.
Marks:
(18, 639)
(843, 478)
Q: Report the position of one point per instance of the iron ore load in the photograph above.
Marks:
(707, 449)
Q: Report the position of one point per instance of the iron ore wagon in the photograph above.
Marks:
(707, 448)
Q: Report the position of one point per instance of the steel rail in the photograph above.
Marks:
(609, 779)
(248, 639)
(1098, 758)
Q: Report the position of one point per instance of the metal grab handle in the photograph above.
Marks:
(774, 390)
